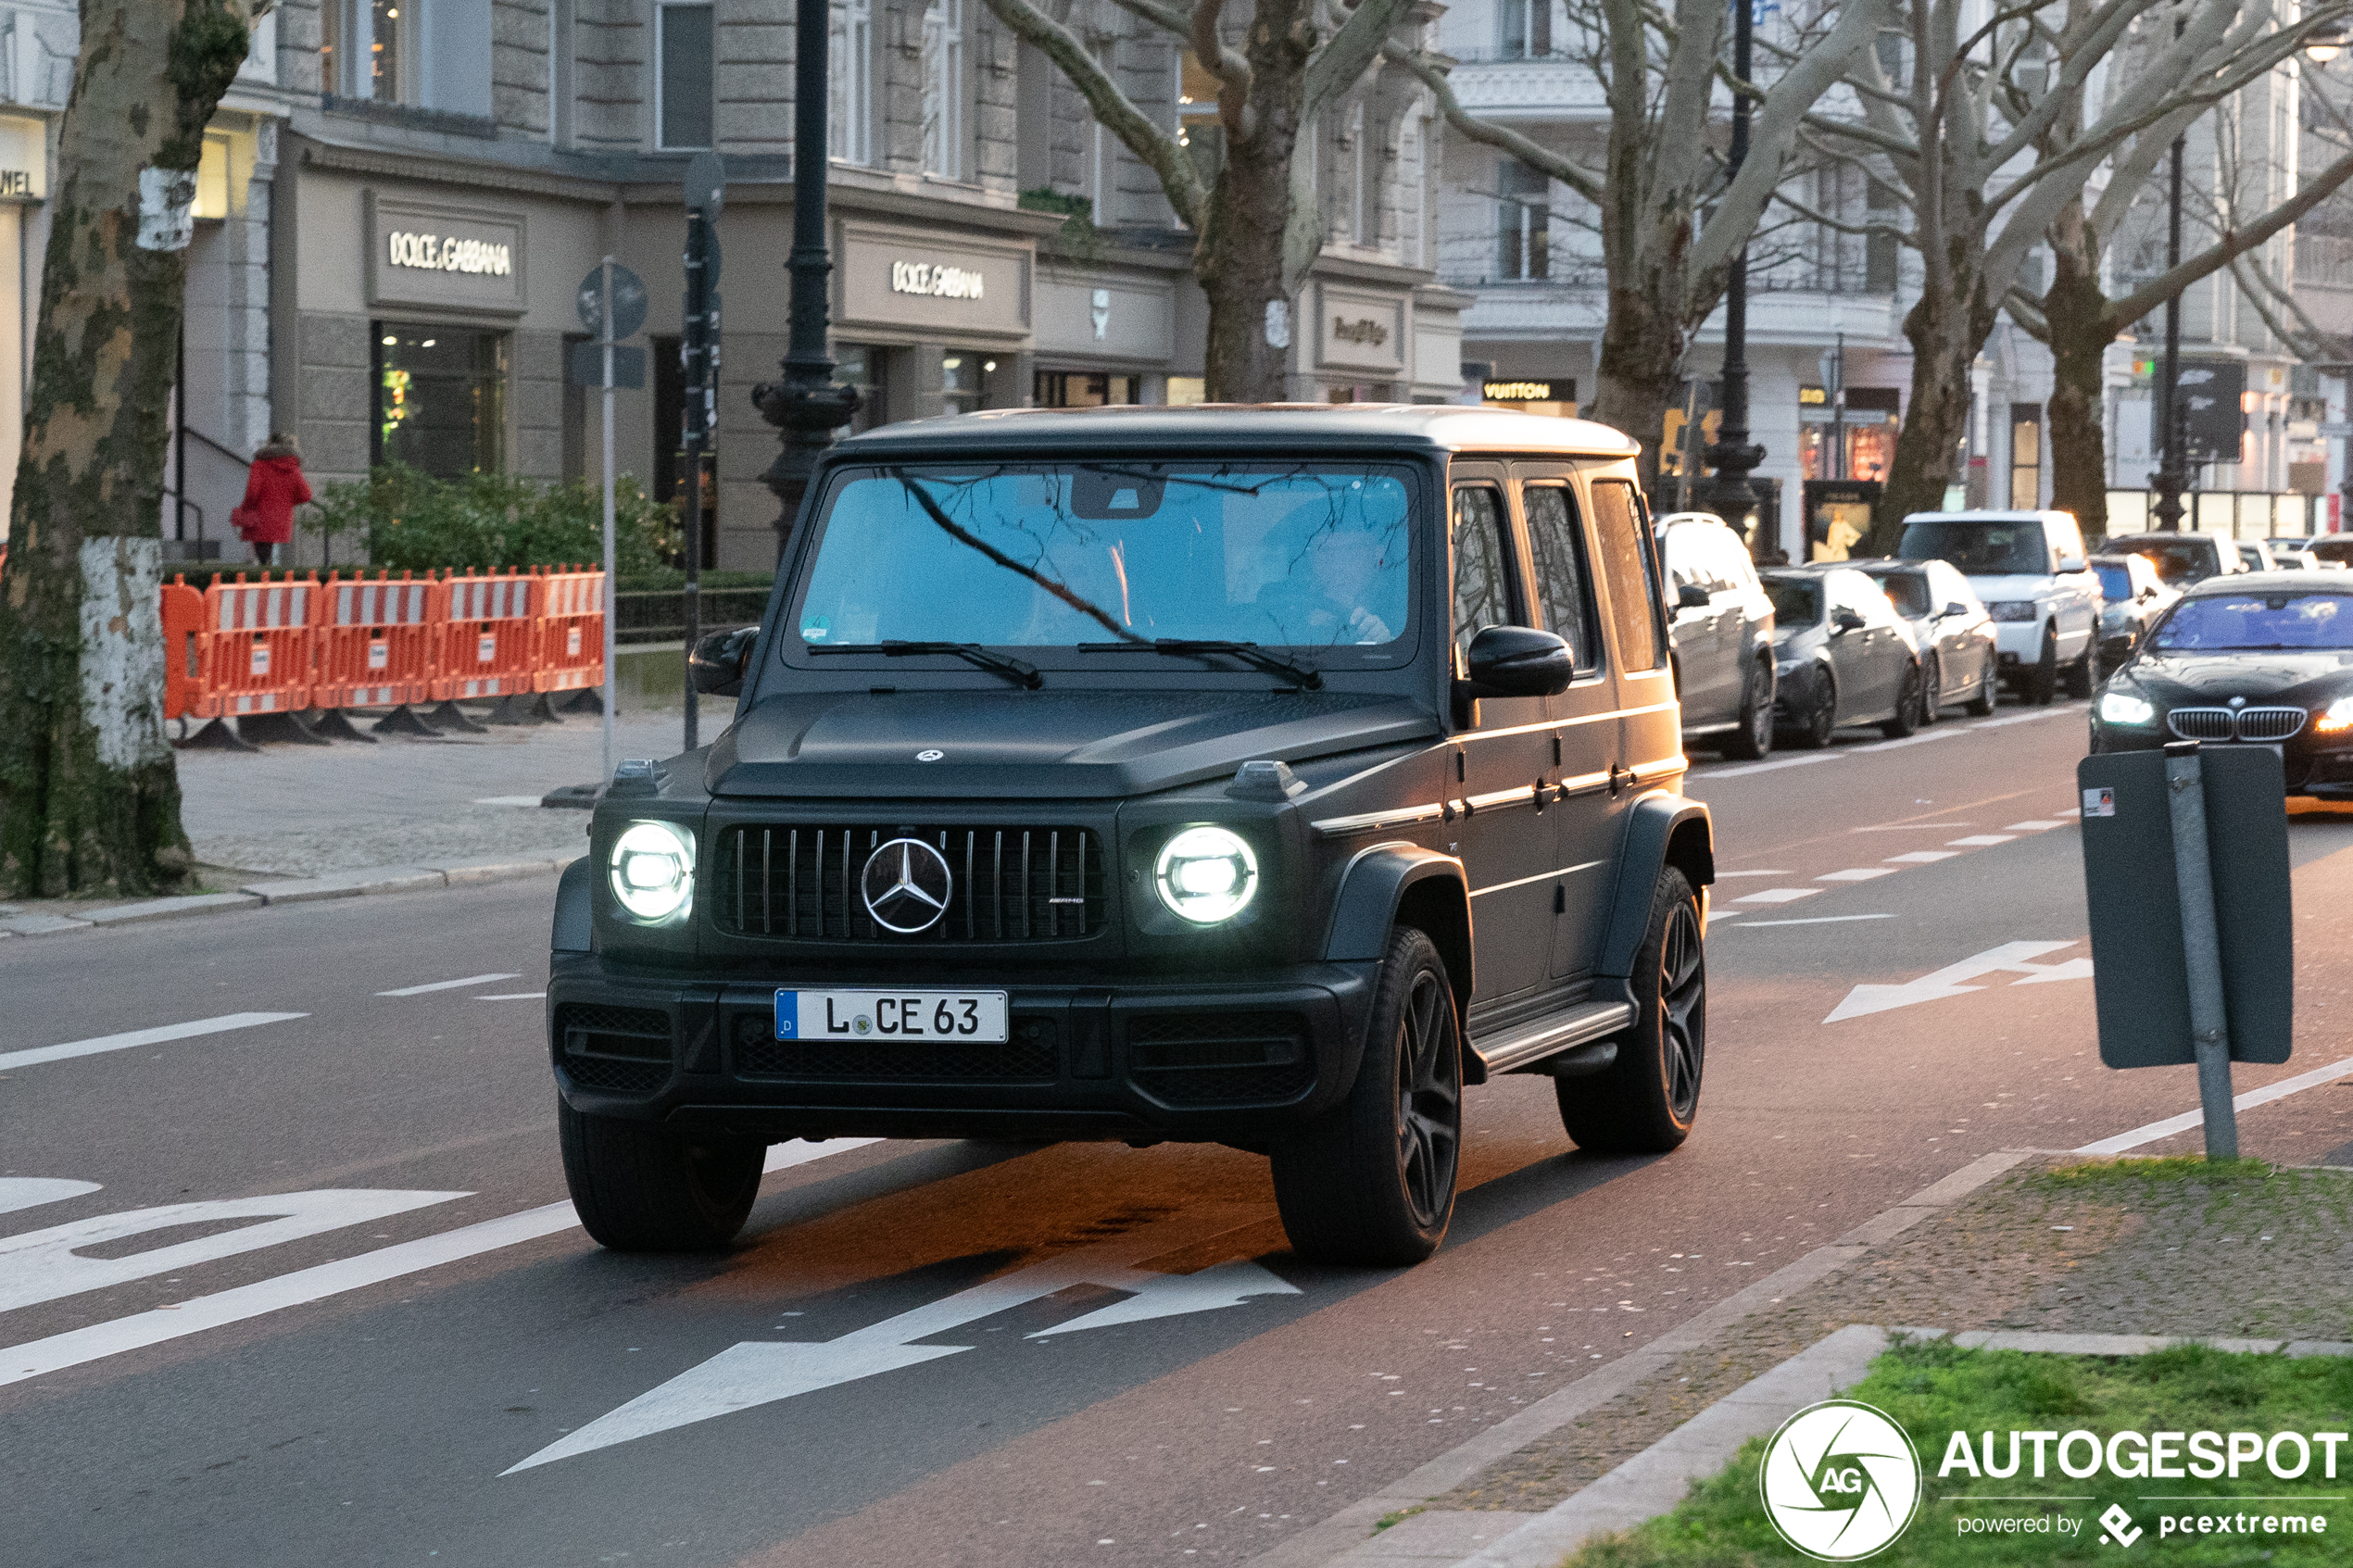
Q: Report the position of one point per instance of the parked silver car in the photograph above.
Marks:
(1958, 661)
(2136, 596)
(1841, 654)
(1722, 636)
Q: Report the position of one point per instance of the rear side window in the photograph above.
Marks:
(1564, 595)
(1482, 570)
(1907, 591)
(1631, 571)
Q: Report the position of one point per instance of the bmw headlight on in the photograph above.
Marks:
(1206, 875)
(2123, 707)
(652, 871)
(2339, 718)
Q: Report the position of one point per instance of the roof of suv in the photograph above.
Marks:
(1222, 426)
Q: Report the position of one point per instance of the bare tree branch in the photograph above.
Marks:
(1502, 138)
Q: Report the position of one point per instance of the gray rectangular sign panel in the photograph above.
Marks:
(2139, 973)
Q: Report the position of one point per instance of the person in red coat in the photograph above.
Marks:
(274, 487)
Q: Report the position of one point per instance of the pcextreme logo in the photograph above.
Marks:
(1840, 1481)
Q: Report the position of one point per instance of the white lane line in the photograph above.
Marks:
(1722, 876)
(1978, 840)
(1921, 739)
(1925, 857)
(1858, 874)
(1909, 827)
(2246, 1101)
(514, 997)
(38, 1357)
(2037, 826)
(2055, 711)
(1942, 732)
(1747, 768)
(506, 801)
(138, 1037)
(1778, 896)
(449, 984)
(1817, 920)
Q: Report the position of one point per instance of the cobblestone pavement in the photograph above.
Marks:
(300, 810)
(2240, 1257)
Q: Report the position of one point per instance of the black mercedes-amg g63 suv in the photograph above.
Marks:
(1258, 776)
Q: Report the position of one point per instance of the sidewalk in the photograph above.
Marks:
(2049, 1245)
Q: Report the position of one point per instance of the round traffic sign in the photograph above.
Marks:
(628, 301)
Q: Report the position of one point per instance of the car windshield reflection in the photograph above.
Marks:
(1979, 548)
(1061, 555)
(2250, 621)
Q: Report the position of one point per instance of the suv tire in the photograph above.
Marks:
(1906, 720)
(1647, 1100)
(2042, 682)
(2082, 677)
(1371, 1182)
(1753, 741)
(643, 1188)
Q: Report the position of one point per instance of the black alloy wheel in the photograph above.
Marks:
(1906, 720)
(1931, 688)
(1814, 727)
(2082, 677)
(2042, 682)
(1648, 1100)
(1753, 740)
(641, 1187)
(1981, 704)
(1371, 1182)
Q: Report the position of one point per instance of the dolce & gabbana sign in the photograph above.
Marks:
(940, 280)
(908, 282)
(431, 256)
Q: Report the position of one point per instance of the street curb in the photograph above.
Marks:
(262, 895)
(1341, 1534)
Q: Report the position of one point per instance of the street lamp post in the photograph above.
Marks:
(2172, 475)
(1732, 454)
(805, 406)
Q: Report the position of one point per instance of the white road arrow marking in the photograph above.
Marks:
(28, 1192)
(2010, 956)
(758, 1373)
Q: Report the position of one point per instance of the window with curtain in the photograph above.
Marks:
(1526, 28)
(943, 65)
(1523, 221)
(850, 60)
(685, 47)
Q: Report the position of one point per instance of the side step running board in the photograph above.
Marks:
(1527, 1047)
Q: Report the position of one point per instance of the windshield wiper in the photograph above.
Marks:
(1020, 673)
(1298, 672)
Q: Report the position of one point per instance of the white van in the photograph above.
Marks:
(2029, 568)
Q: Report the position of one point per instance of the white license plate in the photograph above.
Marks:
(891, 1015)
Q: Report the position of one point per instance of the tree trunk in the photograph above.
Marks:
(89, 797)
(1255, 249)
(2077, 317)
(1641, 362)
(1945, 328)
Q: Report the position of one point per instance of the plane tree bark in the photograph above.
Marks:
(89, 797)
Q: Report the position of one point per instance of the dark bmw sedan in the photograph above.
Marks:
(2253, 659)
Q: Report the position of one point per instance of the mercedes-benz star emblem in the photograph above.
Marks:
(906, 884)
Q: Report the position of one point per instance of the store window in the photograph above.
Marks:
(430, 54)
(850, 136)
(441, 399)
(684, 84)
(963, 382)
(866, 368)
(1184, 390)
(1087, 389)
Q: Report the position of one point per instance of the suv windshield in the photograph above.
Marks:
(1979, 547)
(2259, 620)
(1796, 602)
(2179, 560)
(1057, 555)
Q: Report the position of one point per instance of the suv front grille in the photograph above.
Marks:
(1032, 1055)
(1007, 884)
(1210, 1059)
(2243, 724)
(622, 1049)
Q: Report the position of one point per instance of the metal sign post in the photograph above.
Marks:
(698, 357)
(2185, 876)
(612, 304)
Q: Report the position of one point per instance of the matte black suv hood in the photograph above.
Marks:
(1013, 744)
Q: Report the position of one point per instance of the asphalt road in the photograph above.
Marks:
(372, 1336)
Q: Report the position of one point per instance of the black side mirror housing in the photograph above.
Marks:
(1957, 607)
(1845, 620)
(716, 665)
(1518, 662)
(1690, 595)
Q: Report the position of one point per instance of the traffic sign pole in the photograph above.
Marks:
(612, 614)
(2210, 1025)
(698, 357)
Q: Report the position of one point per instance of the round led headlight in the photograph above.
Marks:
(653, 870)
(1206, 875)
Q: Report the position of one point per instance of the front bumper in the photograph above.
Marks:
(2017, 643)
(2311, 764)
(1217, 1057)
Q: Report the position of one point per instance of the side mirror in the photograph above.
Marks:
(1957, 607)
(2148, 592)
(1518, 662)
(1690, 595)
(2072, 563)
(716, 665)
(1845, 619)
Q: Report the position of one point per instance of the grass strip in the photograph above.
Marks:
(1932, 1389)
